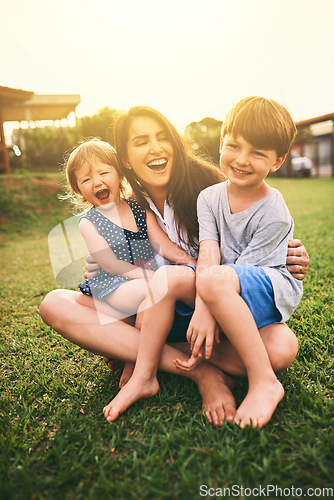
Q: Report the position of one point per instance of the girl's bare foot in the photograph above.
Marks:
(114, 365)
(134, 390)
(259, 404)
(127, 373)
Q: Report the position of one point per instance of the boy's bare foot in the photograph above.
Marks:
(127, 373)
(217, 398)
(134, 390)
(259, 404)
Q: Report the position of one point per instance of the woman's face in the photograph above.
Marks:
(150, 152)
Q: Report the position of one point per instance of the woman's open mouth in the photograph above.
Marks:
(158, 165)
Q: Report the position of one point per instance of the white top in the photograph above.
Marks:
(167, 224)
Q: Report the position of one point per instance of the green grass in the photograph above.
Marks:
(54, 441)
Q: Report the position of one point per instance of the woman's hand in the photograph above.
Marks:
(297, 259)
(92, 267)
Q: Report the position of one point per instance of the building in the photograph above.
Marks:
(316, 141)
(23, 106)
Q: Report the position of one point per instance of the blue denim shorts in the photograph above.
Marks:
(257, 291)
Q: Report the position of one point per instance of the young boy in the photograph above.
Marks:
(244, 229)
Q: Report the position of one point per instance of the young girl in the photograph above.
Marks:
(116, 230)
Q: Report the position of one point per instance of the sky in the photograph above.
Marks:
(187, 58)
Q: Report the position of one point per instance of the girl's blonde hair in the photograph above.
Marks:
(87, 152)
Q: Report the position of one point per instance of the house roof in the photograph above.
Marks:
(9, 96)
(317, 119)
(27, 106)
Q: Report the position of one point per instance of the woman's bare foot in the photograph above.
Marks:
(217, 398)
(114, 365)
(134, 390)
(259, 404)
(127, 373)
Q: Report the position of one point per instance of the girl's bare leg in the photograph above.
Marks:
(128, 296)
(221, 292)
(74, 316)
(168, 285)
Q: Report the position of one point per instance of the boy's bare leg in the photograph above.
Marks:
(168, 285)
(221, 292)
(280, 342)
(73, 315)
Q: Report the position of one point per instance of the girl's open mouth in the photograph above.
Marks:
(103, 194)
(158, 165)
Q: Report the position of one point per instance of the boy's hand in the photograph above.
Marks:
(203, 329)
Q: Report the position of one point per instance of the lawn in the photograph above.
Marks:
(54, 441)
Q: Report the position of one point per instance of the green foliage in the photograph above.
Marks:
(45, 147)
(99, 125)
(204, 138)
(54, 441)
(29, 204)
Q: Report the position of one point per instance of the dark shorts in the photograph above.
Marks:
(180, 326)
(183, 315)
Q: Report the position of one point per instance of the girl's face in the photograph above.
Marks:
(150, 152)
(99, 183)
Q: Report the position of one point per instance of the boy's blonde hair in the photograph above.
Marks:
(87, 152)
(262, 122)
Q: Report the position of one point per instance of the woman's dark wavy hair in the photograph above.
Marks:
(190, 174)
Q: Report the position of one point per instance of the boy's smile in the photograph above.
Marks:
(245, 165)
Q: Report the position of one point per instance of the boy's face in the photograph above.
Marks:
(245, 165)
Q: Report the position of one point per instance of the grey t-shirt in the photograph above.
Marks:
(257, 236)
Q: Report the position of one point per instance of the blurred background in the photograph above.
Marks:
(77, 64)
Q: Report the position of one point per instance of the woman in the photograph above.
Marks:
(167, 179)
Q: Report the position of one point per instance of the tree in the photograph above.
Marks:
(44, 147)
(204, 138)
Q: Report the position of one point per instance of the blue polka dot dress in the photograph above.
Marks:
(129, 246)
